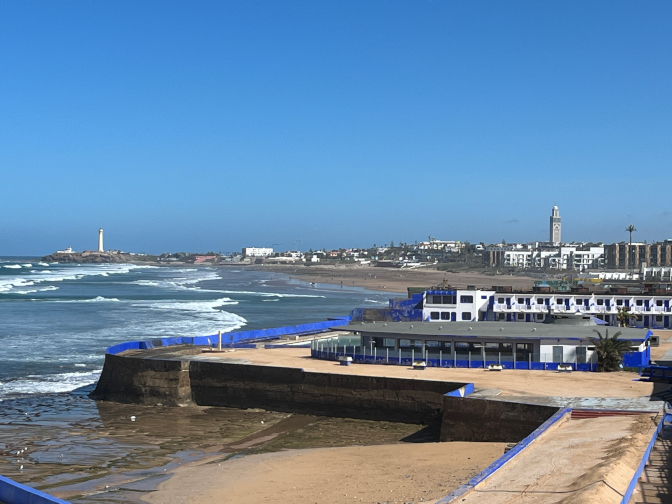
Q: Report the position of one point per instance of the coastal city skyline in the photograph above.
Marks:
(219, 125)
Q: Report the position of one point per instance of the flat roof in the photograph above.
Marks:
(517, 330)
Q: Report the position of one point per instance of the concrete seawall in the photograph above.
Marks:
(148, 378)
(491, 420)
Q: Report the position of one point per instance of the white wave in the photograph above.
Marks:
(27, 265)
(9, 284)
(189, 318)
(374, 301)
(41, 289)
(269, 300)
(183, 283)
(42, 264)
(97, 299)
(12, 266)
(271, 294)
(49, 384)
(197, 306)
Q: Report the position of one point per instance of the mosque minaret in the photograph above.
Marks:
(556, 226)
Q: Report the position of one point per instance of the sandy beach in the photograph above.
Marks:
(393, 279)
(371, 474)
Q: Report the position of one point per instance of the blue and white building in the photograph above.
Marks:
(647, 309)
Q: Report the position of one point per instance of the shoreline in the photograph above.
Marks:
(393, 280)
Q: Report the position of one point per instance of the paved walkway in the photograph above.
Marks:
(580, 461)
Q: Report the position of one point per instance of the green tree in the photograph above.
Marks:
(623, 316)
(609, 350)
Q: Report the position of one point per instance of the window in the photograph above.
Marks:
(659, 318)
(434, 315)
(500, 300)
(449, 299)
(619, 302)
(579, 301)
(445, 315)
(639, 302)
(520, 316)
(540, 316)
(466, 299)
(540, 300)
(388, 342)
(559, 301)
(432, 344)
(600, 302)
(404, 343)
(484, 297)
(521, 300)
(436, 299)
(659, 302)
(466, 315)
(502, 316)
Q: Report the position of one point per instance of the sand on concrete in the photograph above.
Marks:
(394, 279)
(510, 382)
(370, 474)
(583, 461)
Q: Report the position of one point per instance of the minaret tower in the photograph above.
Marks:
(100, 240)
(555, 226)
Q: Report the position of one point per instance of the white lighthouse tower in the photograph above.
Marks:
(100, 240)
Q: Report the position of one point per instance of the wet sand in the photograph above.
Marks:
(107, 457)
(371, 474)
(393, 279)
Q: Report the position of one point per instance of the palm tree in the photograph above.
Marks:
(623, 316)
(609, 350)
(630, 229)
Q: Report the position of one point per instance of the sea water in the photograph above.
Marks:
(56, 320)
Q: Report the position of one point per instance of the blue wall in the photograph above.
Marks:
(234, 339)
(12, 492)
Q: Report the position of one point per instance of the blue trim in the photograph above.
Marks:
(642, 464)
(463, 391)
(497, 464)
(12, 492)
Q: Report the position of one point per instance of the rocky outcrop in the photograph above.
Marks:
(94, 258)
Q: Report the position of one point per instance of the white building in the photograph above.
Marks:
(257, 252)
(647, 310)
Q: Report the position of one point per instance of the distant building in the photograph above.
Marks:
(555, 227)
(100, 240)
(66, 251)
(257, 251)
(625, 255)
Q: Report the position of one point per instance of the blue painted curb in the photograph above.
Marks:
(497, 464)
(645, 459)
(12, 492)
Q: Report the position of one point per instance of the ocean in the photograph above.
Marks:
(56, 320)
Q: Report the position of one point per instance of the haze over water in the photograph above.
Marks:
(56, 320)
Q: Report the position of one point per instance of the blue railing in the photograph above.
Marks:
(395, 359)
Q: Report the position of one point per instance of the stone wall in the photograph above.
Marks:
(172, 382)
(467, 419)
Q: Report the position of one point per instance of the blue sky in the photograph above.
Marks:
(217, 125)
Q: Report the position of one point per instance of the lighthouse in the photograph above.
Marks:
(100, 240)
